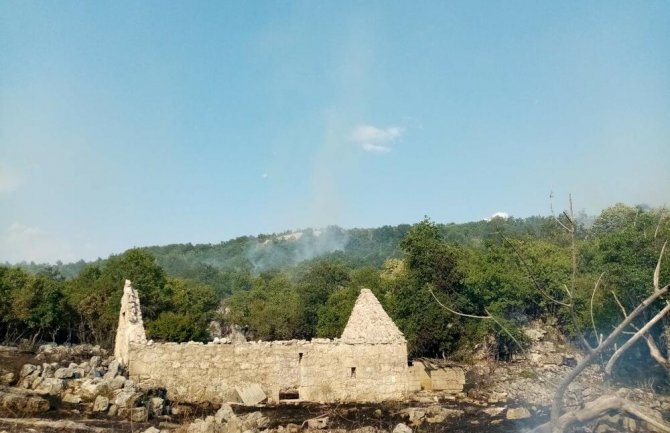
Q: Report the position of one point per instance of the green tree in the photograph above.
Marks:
(270, 310)
(333, 315)
(429, 259)
(429, 264)
(97, 292)
(315, 283)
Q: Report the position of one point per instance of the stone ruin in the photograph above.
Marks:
(367, 364)
(131, 326)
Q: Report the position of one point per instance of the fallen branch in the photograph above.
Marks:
(600, 407)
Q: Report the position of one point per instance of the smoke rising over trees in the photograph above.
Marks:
(304, 285)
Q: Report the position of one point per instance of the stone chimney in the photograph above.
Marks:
(369, 323)
(131, 327)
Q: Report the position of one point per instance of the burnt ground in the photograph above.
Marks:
(387, 415)
(341, 416)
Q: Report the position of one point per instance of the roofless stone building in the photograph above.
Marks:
(368, 363)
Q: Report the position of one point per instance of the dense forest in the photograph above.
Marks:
(303, 284)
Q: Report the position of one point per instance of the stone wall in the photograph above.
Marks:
(436, 378)
(131, 327)
(324, 370)
(337, 371)
(369, 363)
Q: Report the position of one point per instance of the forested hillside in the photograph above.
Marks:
(303, 284)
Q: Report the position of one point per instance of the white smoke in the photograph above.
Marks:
(291, 248)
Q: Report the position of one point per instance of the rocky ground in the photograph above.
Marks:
(82, 389)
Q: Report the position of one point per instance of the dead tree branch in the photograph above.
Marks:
(599, 337)
(491, 317)
(657, 271)
(632, 340)
(600, 407)
(567, 380)
(655, 352)
(458, 313)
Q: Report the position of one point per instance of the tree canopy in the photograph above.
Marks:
(287, 286)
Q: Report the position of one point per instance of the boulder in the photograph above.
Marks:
(234, 425)
(113, 369)
(415, 415)
(49, 370)
(101, 404)
(71, 398)
(251, 394)
(292, 428)
(494, 411)
(201, 426)
(151, 429)
(126, 398)
(22, 401)
(402, 428)
(517, 413)
(95, 361)
(91, 388)
(29, 369)
(64, 373)
(156, 406)
(6, 377)
(48, 386)
(96, 372)
(113, 410)
(224, 414)
(117, 383)
(317, 423)
(139, 414)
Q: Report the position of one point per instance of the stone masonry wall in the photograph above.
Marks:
(369, 362)
(336, 371)
(320, 370)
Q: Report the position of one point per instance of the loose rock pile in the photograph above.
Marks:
(225, 421)
(98, 383)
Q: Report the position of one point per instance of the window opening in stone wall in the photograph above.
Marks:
(289, 394)
(300, 357)
(353, 371)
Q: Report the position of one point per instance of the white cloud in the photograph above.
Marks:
(376, 140)
(503, 215)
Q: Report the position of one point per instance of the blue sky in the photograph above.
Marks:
(139, 123)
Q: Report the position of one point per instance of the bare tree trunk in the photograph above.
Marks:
(567, 380)
(639, 334)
